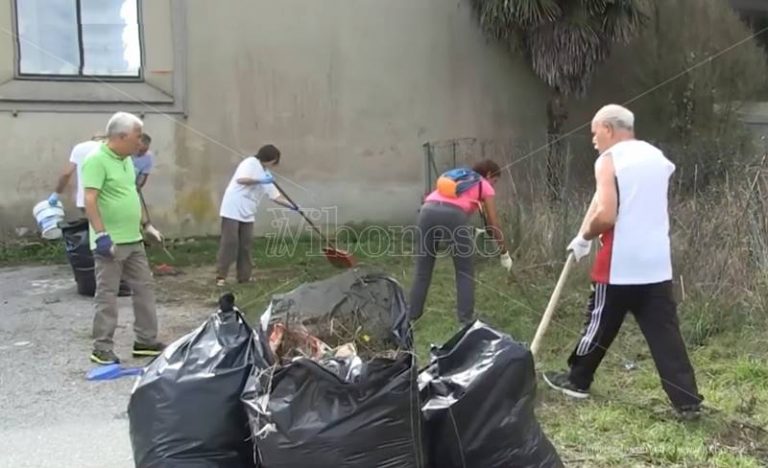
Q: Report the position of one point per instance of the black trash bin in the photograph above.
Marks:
(86, 281)
(80, 257)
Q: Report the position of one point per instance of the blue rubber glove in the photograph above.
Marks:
(104, 245)
(268, 179)
(53, 200)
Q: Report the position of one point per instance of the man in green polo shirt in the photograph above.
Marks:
(116, 220)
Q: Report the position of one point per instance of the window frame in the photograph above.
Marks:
(80, 77)
(164, 30)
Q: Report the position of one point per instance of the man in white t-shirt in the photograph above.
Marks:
(242, 197)
(633, 268)
(76, 158)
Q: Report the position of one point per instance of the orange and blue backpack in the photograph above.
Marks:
(454, 182)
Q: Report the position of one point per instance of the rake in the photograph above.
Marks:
(337, 257)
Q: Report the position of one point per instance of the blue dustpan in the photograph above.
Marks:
(113, 371)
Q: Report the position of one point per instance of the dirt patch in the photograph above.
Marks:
(742, 438)
(197, 284)
(189, 285)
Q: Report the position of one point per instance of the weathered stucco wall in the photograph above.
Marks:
(349, 94)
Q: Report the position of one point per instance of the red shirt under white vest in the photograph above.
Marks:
(637, 249)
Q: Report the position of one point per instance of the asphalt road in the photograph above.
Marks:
(50, 415)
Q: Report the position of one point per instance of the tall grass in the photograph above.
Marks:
(718, 218)
(718, 236)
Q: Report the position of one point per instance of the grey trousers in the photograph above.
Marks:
(235, 246)
(448, 224)
(130, 263)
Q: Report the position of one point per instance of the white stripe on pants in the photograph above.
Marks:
(585, 345)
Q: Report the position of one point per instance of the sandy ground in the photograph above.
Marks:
(50, 415)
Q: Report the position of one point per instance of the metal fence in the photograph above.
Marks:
(524, 160)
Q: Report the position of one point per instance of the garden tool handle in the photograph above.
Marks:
(299, 210)
(547, 317)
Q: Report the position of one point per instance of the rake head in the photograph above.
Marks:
(339, 258)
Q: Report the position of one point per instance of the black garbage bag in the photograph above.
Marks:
(477, 398)
(185, 411)
(337, 310)
(79, 255)
(337, 414)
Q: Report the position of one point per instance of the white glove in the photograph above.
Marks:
(153, 232)
(506, 261)
(580, 247)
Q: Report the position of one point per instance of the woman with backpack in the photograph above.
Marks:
(444, 216)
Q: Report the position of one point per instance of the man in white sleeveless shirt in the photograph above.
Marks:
(633, 268)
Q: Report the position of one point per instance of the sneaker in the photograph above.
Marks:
(689, 412)
(561, 381)
(104, 358)
(145, 350)
(220, 282)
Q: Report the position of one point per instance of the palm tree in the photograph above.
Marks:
(564, 41)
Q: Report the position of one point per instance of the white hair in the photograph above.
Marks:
(122, 123)
(615, 116)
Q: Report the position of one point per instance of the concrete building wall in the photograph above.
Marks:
(348, 92)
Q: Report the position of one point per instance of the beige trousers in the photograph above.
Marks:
(130, 263)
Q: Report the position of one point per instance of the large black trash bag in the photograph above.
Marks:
(358, 301)
(186, 411)
(337, 414)
(477, 398)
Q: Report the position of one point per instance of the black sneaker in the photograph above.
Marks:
(147, 350)
(689, 412)
(104, 358)
(560, 381)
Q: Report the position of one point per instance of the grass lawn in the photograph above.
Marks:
(626, 423)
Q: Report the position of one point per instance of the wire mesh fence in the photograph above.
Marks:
(524, 161)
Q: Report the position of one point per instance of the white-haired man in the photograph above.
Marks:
(633, 268)
(76, 157)
(116, 221)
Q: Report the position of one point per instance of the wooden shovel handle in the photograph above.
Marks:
(547, 317)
